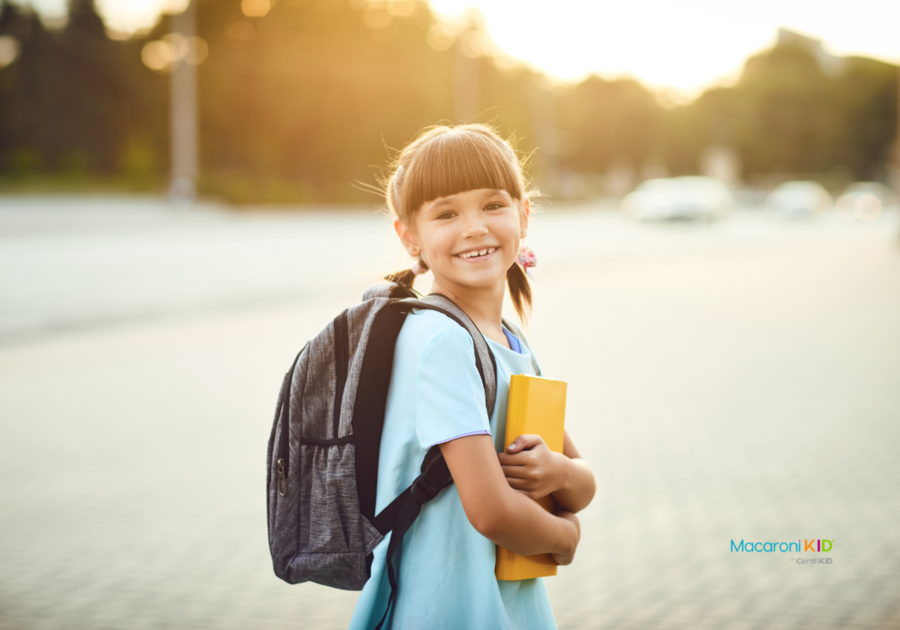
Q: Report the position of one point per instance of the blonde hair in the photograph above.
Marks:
(444, 161)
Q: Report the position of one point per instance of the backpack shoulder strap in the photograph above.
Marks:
(399, 516)
(484, 358)
(518, 333)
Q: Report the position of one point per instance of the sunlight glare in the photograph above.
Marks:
(9, 50)
(688, 45)
(256, 8)
(868, 208)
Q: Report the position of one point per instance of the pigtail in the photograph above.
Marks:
(405, 277)
(408, 277)
(519, 291)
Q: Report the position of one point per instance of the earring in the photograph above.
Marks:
(526, 259)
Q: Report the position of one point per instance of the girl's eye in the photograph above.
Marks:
(449, 214)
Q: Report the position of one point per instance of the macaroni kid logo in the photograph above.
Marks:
(820, 545)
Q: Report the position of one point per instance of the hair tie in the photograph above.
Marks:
(526, 259)
(419, 267)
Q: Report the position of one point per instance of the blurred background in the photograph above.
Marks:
(296, 100)
(186, 197)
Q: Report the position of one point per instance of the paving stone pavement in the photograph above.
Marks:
(731, 381)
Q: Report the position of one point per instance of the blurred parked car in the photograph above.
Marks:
(679, 198)
(865, 201)
(800, 198)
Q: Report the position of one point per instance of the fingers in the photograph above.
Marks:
(515, 472)
(524, 442)
(522, 472)
(563, 559)
(519, 459)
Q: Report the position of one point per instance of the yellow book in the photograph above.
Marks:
(536, 406)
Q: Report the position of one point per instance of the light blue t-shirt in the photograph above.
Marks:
(446, 577)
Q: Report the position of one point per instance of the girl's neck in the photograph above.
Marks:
(483, 305)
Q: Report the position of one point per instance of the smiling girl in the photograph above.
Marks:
(461, 209)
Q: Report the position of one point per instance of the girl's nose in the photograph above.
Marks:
(475, 225)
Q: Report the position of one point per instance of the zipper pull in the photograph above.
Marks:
(282, 482)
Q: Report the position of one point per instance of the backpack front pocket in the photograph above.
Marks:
(329, 505)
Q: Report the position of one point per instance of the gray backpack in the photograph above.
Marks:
(323, 449)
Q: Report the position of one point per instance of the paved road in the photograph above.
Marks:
(731, 381)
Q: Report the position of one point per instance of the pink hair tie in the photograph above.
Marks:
(418, 267)
(526, 259)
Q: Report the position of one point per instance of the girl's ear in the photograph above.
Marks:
(409, 240)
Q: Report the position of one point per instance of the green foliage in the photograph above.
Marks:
(72, 95)
(23, 161)
(609, 122)
(786, 115)
(138, 160)
(77, 165)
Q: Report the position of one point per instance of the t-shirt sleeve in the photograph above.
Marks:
(449, 392)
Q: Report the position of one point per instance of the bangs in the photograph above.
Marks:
(458, 160)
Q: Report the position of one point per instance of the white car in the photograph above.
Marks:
(800, 198)
(679, 198)
(865, 201)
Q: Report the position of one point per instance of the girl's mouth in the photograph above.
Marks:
(479, 254)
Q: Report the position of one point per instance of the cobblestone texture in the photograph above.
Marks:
(730, 381)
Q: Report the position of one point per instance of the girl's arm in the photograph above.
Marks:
(536, 471)
(501, 514)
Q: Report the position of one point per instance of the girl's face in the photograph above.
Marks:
(450, 234)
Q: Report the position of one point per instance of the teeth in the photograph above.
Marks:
(478, 253)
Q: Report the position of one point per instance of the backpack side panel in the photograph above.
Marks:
(276, 449)
(271, 473)
(284, 523)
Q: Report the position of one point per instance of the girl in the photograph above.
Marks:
(461, 209)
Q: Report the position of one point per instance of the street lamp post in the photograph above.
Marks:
(184, 144)
(895, 167)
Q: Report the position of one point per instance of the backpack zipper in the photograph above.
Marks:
(282, 482)
(341, 366)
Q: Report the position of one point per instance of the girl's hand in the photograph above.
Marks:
(532, 468)
(566, 558)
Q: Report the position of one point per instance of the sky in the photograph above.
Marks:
(684, 45)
